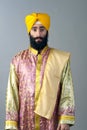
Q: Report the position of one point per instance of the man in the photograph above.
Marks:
(40, 92)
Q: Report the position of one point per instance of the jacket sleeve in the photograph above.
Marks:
(67, 102)
(12, 101)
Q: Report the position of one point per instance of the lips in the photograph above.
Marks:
(39, 39)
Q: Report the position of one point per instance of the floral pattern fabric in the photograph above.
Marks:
(21, 93)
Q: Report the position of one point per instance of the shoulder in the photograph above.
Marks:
(20, 55)
(59, 53)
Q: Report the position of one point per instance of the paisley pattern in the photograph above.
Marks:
(27, 70)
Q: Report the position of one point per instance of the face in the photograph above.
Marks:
(38, 37)
(38, 32)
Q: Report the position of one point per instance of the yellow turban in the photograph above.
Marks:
(32, 18)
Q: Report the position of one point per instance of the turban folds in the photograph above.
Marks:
(32, 18)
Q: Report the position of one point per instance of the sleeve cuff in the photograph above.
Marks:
(11, 125)
(67, 120)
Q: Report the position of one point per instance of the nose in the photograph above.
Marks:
(38, 33)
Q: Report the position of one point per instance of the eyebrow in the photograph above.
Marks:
(37, 27)
(42, 27)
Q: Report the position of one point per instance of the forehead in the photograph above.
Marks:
(38, 25)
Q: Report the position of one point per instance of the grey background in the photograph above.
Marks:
(68, 32)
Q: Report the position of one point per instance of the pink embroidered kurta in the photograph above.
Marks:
(24, 85)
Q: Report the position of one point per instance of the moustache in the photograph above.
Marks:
(38, 38)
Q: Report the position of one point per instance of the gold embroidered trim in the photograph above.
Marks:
(66, 118)
(11, 123)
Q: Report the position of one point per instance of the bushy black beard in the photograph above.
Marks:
(38, 45)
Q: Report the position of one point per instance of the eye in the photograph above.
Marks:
(34, 29)
(41, 29)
